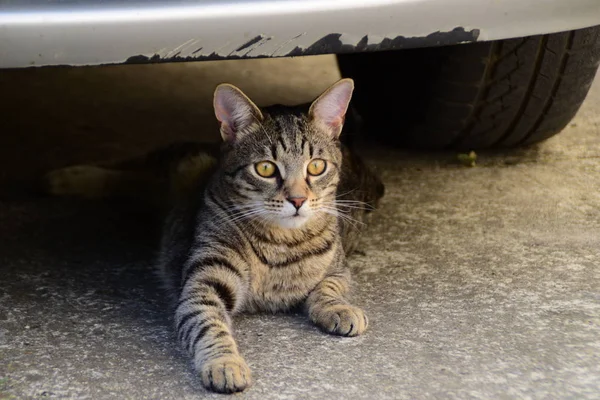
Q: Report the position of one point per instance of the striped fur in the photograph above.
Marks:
(229, 243)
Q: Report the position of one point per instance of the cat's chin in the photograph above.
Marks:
(292, 222)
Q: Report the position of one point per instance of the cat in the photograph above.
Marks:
(263, 224)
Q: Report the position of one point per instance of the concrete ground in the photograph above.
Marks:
(479, 283)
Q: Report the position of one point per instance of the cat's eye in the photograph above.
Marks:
(266, 169)
(316, 167)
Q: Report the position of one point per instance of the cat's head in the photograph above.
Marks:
(282, 164)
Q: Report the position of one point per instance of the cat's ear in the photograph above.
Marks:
(329, 110)
(235, 112)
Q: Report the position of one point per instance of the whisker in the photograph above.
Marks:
(231, 213)
(341, 214)
(357, 205)
(241, 216)
(343, 218)
(248, 214)
(236, 203)
(346, 193)
(351, 202)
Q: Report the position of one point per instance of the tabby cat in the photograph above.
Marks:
(263, 225)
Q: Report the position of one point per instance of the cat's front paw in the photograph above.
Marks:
(342, 319)
(228, 374)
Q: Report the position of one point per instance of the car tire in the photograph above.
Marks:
(481, 95)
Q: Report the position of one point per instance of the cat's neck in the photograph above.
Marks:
(276, 234)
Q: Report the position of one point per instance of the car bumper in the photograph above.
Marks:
(48, 32)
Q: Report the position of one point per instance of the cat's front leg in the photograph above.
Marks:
(204, 327)
(329, 309)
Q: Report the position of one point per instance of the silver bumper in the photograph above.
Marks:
(47, 32)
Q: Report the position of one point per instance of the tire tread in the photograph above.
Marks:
(496, 94)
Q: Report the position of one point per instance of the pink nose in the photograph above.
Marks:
(296, 201)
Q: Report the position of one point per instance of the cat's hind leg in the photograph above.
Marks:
(86, 181)
(94, 182)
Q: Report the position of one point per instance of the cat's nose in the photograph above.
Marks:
(296, 201)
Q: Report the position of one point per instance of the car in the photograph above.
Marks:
(442, 74)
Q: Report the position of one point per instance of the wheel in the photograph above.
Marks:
(491, 94)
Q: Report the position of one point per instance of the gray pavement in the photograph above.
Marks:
(479, 283)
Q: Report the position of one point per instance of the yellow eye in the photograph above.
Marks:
(266, 169)
(316, 167)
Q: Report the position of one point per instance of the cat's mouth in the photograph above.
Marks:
(296, 216)
(293, 221)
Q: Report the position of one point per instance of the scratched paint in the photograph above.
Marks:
(301, 44)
